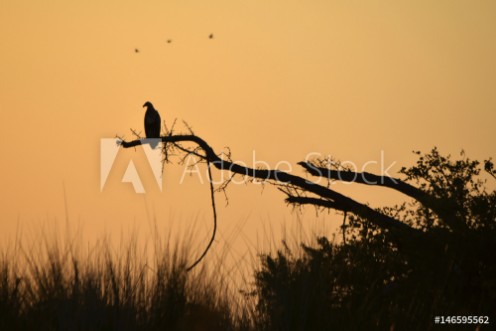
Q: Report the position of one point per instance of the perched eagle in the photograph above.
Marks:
(152, 122)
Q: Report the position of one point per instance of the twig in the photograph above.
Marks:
(136, 134)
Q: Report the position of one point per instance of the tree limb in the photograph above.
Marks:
(433, 203)
(361, 210)
(332, 199)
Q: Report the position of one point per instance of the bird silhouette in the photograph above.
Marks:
(136, 50)
(169, 41)
(152, 123)
(211, 36)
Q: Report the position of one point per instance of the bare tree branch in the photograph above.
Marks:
(435, 204)
(330, 198)
(361, 210)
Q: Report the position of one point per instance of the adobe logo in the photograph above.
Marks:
(109, 148)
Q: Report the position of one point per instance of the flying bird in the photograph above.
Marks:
(136, 50)
(152, 122)
(211, 36)
(169, 41)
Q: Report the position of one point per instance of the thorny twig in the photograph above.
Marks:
(136, 134)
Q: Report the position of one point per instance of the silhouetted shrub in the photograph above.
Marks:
(371, 283)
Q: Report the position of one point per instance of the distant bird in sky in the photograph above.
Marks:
(152, 122)
(211, 36)
(169, 41)
(136, 50)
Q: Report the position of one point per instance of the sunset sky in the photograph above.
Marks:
(279, 80)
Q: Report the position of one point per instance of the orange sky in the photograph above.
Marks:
(280, 78)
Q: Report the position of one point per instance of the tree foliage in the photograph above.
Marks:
(371, 282)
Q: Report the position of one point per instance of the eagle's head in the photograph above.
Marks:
(148, 104)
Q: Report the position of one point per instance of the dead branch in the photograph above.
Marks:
(328, 198)
(433, 203)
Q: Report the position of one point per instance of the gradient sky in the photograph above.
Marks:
(280, 79)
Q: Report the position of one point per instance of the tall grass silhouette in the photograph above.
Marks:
(54, 286)
(306, 283)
